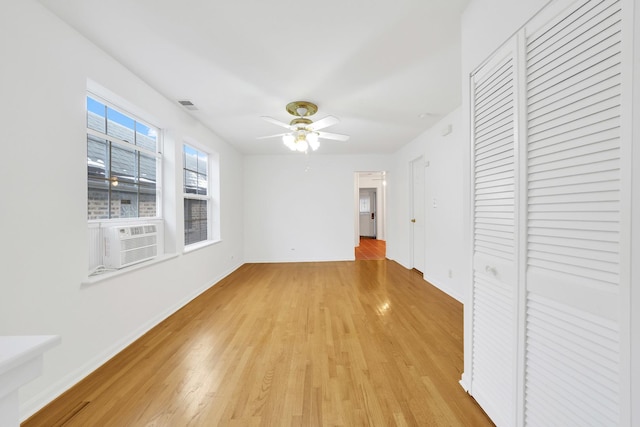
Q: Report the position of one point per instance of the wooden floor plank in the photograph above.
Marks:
(312, 344)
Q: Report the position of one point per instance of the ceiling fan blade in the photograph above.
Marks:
(334, 136)
(276, 122)
(272, 136)
(323, 123)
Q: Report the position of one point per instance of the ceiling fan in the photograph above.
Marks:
(304, 132)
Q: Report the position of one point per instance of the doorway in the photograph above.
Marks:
(370, 197)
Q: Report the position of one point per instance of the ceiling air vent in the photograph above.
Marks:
(188, 105)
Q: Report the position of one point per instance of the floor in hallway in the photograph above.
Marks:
(371, 249)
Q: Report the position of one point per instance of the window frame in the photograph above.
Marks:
(96, 227)
(209, 197)
(113, 141)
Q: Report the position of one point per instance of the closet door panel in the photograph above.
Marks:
(572, 336)
(494, 243)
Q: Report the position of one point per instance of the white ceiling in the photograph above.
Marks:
(387, 69)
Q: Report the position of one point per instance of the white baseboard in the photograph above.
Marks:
(464, 383)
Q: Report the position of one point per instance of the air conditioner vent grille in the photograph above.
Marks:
(138, 242)
(139, 254)
(127, 245)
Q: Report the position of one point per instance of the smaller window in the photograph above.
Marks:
(365, 204)
(197, 197)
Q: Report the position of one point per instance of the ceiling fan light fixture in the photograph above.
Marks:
(303, 132)
(290, 141)
(301, 135)
(302, 145)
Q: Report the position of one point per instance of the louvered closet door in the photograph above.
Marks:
(494, 256)
(572, 371)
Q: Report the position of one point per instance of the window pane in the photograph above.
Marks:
(190, 158)
(195, 224)
(147, 169)
(96, 115)
(147, 203)
(146, 137)
(98, 200)
(202, 164)
(365, 204)
(195, 210)
(202, 185)
(120, 126)
(96, 156)
(190, 182)
(124, 204)
(123, 164)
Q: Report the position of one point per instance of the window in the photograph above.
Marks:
(197, 196)
(365, 203)
(122, 164)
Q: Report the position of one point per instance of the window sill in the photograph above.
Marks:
(92, 280)
(200, 245)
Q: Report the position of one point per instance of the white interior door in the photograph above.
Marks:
(574, 303)
(495, 257)
(368, 212)
(417, 219)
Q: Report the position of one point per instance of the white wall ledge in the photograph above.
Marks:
(109, 274)
(21, 361)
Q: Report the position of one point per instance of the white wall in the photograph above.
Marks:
(43, 81)
(301, 208)
(444, 201)
(635, 227)
(444, 226)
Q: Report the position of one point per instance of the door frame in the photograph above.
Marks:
(364, 179)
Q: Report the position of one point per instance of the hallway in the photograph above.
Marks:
(371, 249)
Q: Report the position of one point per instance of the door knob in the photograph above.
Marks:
(413, 220)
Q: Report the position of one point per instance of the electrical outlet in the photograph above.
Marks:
(450, 273)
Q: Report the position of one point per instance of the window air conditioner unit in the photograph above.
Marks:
(128, 245)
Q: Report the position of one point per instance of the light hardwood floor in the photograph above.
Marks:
(371, 249)
(365, 343)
